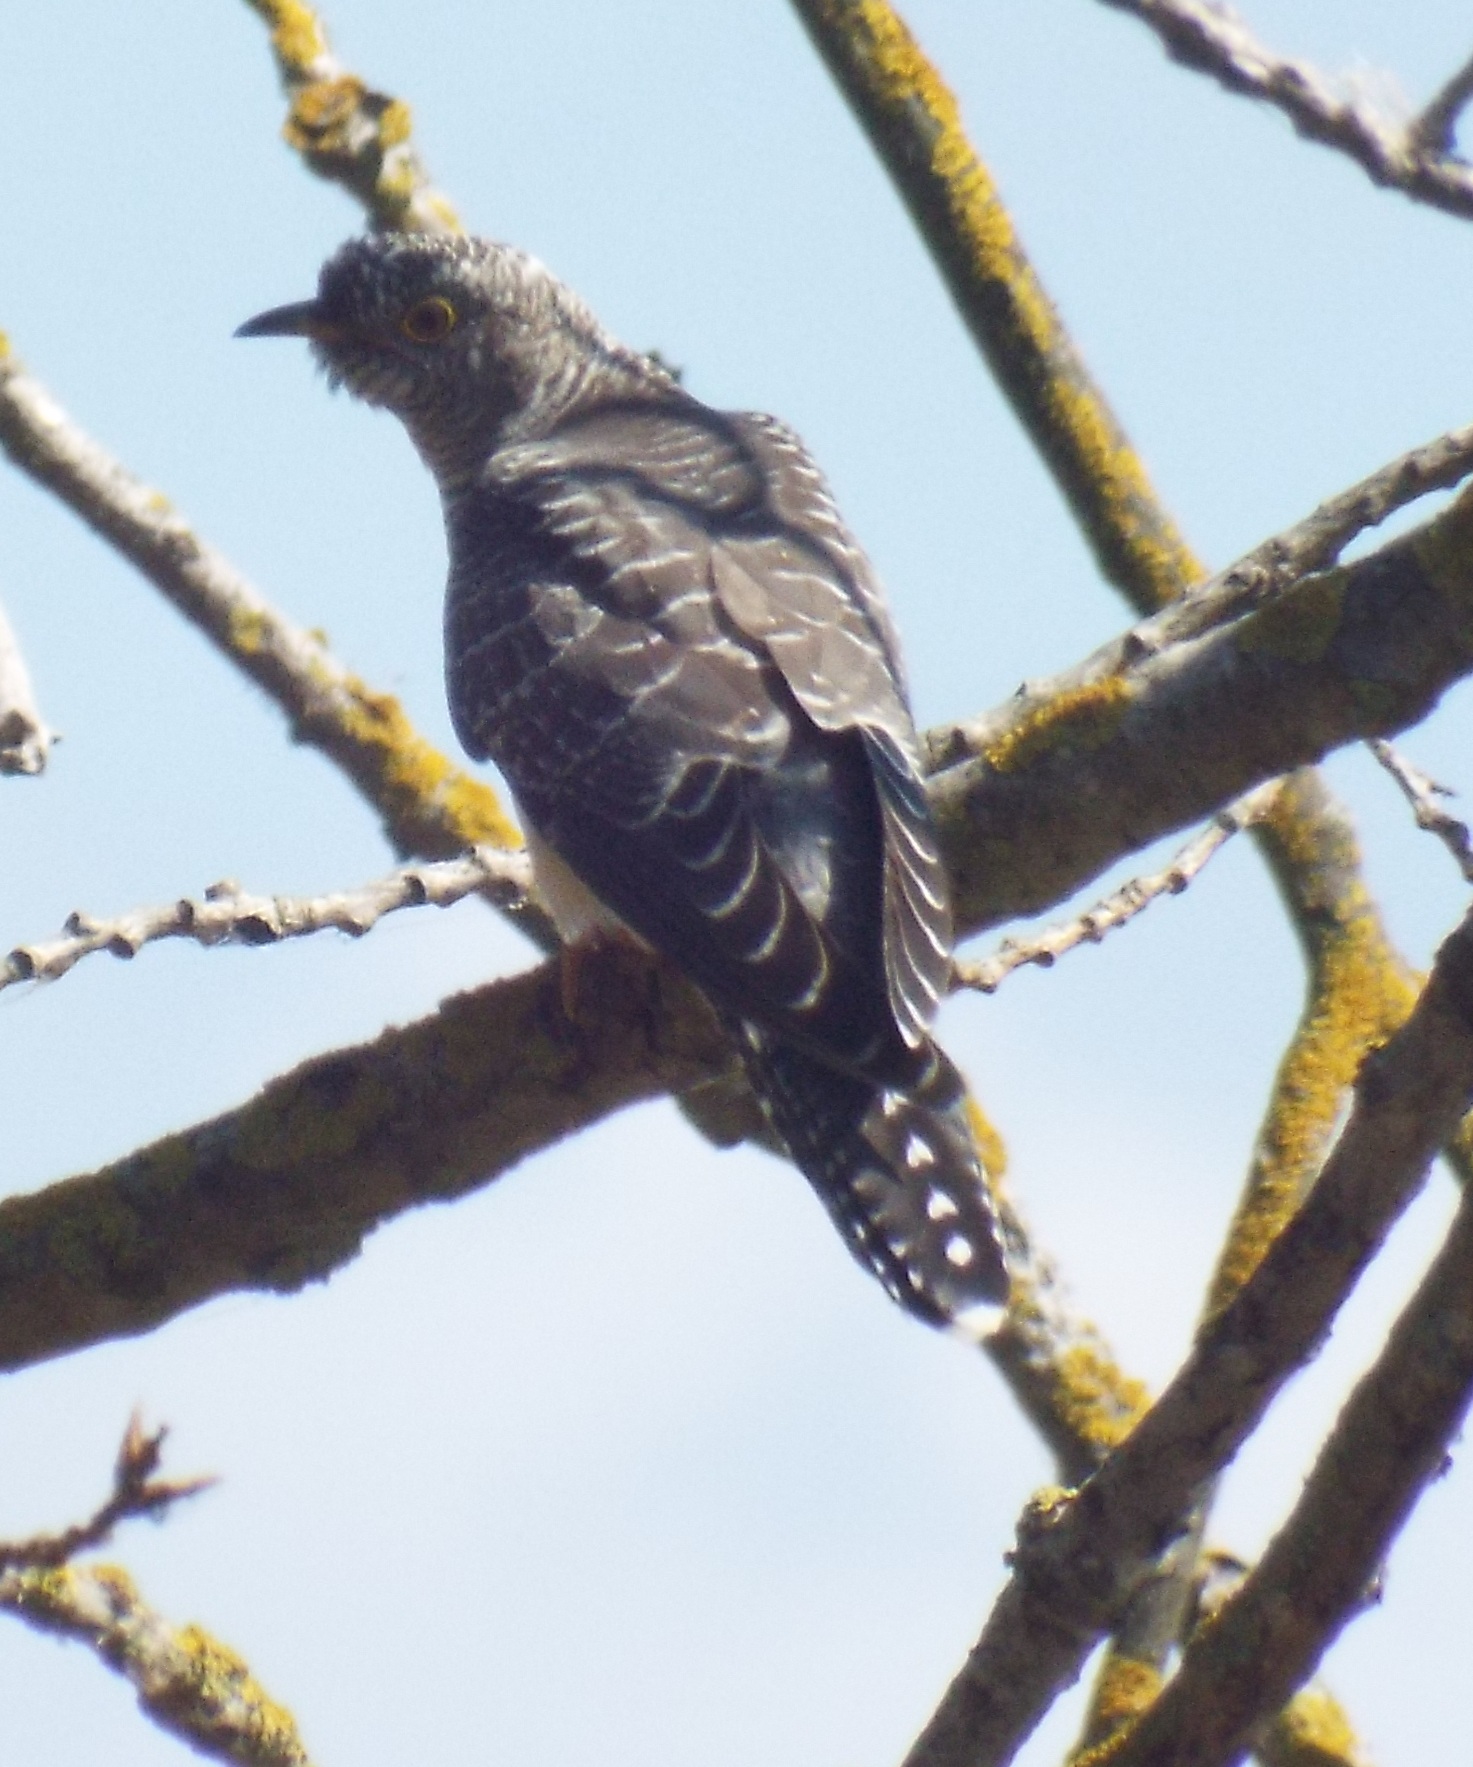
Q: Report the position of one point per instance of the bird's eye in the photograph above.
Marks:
(429, 320)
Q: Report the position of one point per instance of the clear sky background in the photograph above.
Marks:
(622, 1459)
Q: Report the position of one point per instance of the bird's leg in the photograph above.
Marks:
(597, 948)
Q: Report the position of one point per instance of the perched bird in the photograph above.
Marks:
(661, 631)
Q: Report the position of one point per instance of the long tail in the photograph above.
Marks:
(898, 1172)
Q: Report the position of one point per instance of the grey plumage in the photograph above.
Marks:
(659, 628)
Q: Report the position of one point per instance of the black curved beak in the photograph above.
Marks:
(300, 319)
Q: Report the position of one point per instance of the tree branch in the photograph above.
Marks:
(283, 1190)
(135, 1493)
(430, 809)
(1036, 798)
(1435, 131)
(1412, 158)
(914, 124)
(1317, 542)
(187, 1682)
(227, 916)
(1389, 1443)
(24, 739)
(1078, 1557)
(347, 133)
(1422, 794)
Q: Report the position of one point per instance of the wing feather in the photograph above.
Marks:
(718, 739)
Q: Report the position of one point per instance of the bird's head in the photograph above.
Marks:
(467, 341)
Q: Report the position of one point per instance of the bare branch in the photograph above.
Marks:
(1117, 909)
(1410, 158)
(285, 1189)
(1388, 1444)
(228, 916)
(188, 1682)
(347, 133)
(1079, 1556)
(1434, 132)
(135, 1493)
(1422, 794)
(1036, 798)
(1317, 542)
(24, 739)
(430, 808)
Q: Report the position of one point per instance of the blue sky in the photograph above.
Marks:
(623, 1457)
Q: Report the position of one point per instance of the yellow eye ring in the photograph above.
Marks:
(429, 320)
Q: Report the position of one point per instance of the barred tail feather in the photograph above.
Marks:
(900, 1176)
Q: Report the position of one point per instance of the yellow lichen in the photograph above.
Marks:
(221, 1681)
(1124, 1689)
(320, 113)
(296, 35)
(394, 124)
(1083, 718)
(1300, 628)
(901, 80)
(418, 779)
(1312, 1731)
(1094, 1398)
(249, 630)
(1359, 994)
(990, 1146)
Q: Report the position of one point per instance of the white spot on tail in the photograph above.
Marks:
(918, 1151)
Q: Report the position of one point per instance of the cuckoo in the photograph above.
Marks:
(659, 628)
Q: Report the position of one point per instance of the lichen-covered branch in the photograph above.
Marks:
(24, 739)
(1137, 741)
(228, 916)
(186, 1681)
(1316, 543)
(284, 1190)
(1389, 1443)
(1079, 1556)
(430, 808)
(1414, 157)
(914, 124)
(346, 132)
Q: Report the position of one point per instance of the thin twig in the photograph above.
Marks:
(1316, 542)
(1422, 794)
(1412, 158)
(135, 1493)
(228, 916)
(1434, 131)
(346, 132)
(1121, 906)
(186, 1681)
(24, 739)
